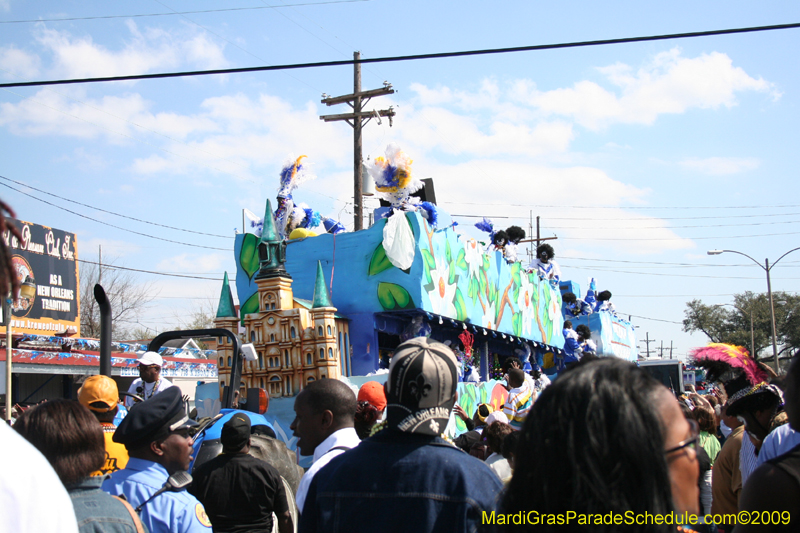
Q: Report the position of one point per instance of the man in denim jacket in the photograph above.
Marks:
(406, 478)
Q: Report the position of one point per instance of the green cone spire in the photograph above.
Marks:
(226, 308)
(321, 296)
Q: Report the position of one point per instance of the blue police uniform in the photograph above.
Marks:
(169, 512)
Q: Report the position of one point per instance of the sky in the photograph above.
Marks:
(639, 157)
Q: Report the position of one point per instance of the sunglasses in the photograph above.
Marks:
(691, 442)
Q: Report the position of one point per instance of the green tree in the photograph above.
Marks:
(730, 323)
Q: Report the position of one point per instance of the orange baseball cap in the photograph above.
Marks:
(372, 392)
(99, 389)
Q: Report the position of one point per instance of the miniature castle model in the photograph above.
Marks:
(297, 341)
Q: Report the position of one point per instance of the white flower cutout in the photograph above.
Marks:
(473, 255)
(443, 292)
(525, 303)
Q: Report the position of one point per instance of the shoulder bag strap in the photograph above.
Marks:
(136, 520)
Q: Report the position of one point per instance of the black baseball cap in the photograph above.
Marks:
(421, 388)
(235, 433)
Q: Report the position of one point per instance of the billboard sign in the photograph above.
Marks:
(45, 262)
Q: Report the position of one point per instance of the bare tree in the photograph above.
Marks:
(126, 295)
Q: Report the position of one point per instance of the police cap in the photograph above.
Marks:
(153, 419)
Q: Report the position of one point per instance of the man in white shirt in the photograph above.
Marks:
(323, 425)
(150, 381)
(780, 440)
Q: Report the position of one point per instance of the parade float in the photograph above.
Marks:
(325, 303)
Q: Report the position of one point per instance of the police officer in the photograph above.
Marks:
(156, 435)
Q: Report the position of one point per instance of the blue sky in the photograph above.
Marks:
(640, 157)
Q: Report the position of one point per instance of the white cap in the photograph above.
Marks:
(151, 358)
(497, 416)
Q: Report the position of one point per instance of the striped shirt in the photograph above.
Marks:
(518, 404)
(747, 458)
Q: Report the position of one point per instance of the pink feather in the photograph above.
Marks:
(734, 356)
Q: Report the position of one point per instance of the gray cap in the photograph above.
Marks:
(421, 388)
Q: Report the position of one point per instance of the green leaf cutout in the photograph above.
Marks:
(474, 287)
(248, 256)
(392, 296)
(461, 306)
(448, 254)
(429, 260)
(250, 306)
(379, 261)
(461, 261)
(516, 324)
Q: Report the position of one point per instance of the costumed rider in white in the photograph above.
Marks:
(544, 265)
(150, 381)
(574, 307)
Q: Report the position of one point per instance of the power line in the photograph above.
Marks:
(531, 206)
(655, 319)
(593, 227)
(415, 57)
(659, 262)
(112, 225)
(112, 212)
(677, 238)
(602, 269)
(104, 265)
(103, 17)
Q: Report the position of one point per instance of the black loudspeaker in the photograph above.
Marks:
(425, 194)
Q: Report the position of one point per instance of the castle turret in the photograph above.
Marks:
(226, 319)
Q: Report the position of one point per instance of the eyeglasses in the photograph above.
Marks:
(690, 442)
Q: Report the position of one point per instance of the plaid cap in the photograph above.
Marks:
(744, 400)
(421, 388)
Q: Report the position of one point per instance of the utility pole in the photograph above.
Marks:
(647, 341)
(670, 349)
(357, 120)
(662, 350)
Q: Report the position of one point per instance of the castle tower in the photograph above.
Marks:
(274, 283)
(323, 315)
(226, 318)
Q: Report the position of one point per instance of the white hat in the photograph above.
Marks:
(151, 358)
(497, 416)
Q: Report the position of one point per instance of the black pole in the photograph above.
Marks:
(105, 329)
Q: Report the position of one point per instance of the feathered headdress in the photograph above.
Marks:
(292, 175)
(723, 362)
(392, 174)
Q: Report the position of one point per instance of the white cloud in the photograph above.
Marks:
(484, 187)
(668, 84)
(455, 133)
(69, 112)
(721, 166)
(144, 51)
(18, 63)
(195, 263)
(5, 5)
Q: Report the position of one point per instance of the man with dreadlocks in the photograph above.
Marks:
(775, 485)
(754, 401)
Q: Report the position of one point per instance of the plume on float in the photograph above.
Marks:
(429, 212)
(392, 174)
(719, 359)
(485, 225)
(293, 174)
